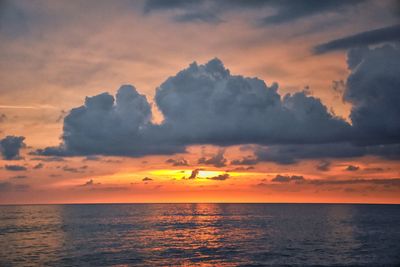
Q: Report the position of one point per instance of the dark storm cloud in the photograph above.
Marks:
(154, 5)
(290, 11)
(373, 89)
(10, 147)
(248, 160)
(386, 34)
(108, 126)
(198, 17)
(206, 104)
(177, 162)
(15, 168)
(224, 109)
(286, 179)
(218, 160)
(47, 159)
(290, 154)
(203, 104)
(285, 10)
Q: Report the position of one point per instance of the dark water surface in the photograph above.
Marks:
(199, 235)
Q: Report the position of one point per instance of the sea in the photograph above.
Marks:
(200, 234)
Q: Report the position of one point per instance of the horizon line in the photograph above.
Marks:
(168, 203)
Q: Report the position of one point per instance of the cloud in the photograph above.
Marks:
(381, 35)
(177, 162)
(10, 187)
(206, 104)
(248, 160)
(108, 126)
(203, 104)
(221, 177)
(90, 183)
(10, 147)
(352, 168)
(38, 166)
(15, 168)
(286, 179)
(198, 17)
(3, 117)
(373, 89)
(48, 158)
(300, 180)
(323, 165)
(74, 170)
(147, 179)
(218, 160)
(386, 182)
(290, 11)
(211, 11)
(19, 177)
(194, 173)
(290, 154)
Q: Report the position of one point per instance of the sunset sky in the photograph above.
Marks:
(199, 101)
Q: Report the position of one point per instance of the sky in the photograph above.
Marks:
(199, 101)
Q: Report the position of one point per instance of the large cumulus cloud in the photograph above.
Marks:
(373, 89)
(108, 126)
(206, 104)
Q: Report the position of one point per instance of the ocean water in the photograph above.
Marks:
(200, 235)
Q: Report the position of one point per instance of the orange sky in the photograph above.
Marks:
(59, 53)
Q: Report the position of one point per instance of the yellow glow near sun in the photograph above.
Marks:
(202, 174)
(160, 175)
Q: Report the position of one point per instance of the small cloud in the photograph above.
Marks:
(245, 161)
(90, 183)
(352, 168)
(62, 115)
(241, 169)
(19, 177)
(74, 170)
(286, 179)
(15, 168)
(194, 173)
(178, 162)
(323, 166)
(38, 166)
(10, 147)
(3, 117)
(218, 160)
(92, 158)
(147, 179)
(49, 159)
(221, 177)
